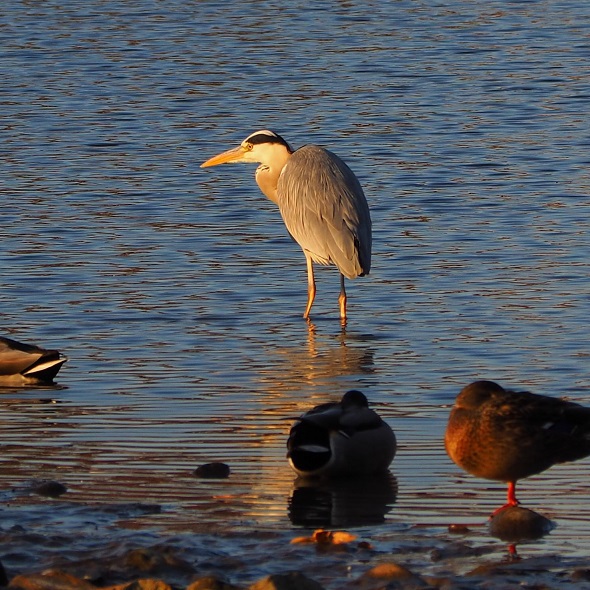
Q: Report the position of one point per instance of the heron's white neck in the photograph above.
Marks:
(267, 174)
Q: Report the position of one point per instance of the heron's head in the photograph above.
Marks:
(264, 147)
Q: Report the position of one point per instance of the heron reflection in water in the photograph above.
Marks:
(321, 202)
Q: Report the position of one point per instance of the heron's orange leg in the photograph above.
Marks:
(310, 287)
(342, 300)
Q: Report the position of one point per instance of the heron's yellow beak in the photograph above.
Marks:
(233, 155)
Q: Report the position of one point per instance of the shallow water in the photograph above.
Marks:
(177, 294)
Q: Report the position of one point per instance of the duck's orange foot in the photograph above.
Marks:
(507, 505)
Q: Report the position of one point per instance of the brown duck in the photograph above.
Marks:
(507, 435)
(25, 363)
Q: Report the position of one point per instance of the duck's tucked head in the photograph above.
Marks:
(477, 393)
(354, 399)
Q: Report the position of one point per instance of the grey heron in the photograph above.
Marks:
(321, 202)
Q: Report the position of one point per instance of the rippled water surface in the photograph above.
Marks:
(177, 294)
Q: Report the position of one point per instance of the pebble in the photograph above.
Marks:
(211, 583)
(213, 471)
(50, 580)
(287, 581)
(144, 584)
(158, 561)
(396, 576)
(3, 576)
(581, 575)
(49, 489)
(458, 549)
(515, 524)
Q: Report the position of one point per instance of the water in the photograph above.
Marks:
(177, 294)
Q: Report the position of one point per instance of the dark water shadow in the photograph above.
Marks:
(342, 503)
(28, 387)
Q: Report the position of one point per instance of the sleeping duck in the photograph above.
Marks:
(25, 363)
(344, 438)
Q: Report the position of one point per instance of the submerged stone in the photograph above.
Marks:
(514, 524)
(211, 583)
(213, 471)
(143, 584)
(287, 581)
(397, 576)
(50, 580)
(50, 489)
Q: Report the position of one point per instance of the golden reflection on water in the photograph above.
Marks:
(323, 367)
(130, 452)
(295, 379)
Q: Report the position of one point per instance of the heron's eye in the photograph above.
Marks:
(249, 147)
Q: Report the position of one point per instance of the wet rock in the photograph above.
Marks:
(394, 575)
(213, 471)
(144, 584)
(581, 575)
(458, 549)
(532, 566)
(442, 583)
(143, 559)
(515, 524)
(156, 560)
(106, 569)
(50, 580)
(49, 489)
(211, 583)
(287, 581)
(3, 576)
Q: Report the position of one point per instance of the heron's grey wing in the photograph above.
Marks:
(325, 210)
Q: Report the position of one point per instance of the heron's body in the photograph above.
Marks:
(330, 231)
(21, 363)
(321, 202)
(345, 438)
(506, 436)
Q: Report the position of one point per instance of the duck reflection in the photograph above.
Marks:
(342, 502)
